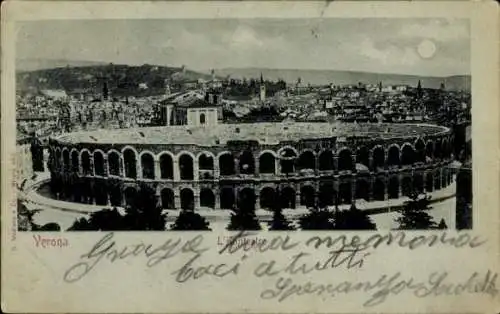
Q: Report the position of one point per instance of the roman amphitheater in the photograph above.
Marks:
(283, 164)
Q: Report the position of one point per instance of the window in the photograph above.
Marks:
(202, 118)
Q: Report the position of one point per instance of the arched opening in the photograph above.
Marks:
(247, 163)
(437, 181)
(393, 188)
(445, 149)
(326, 160)
(113, 163)
(418, 183)
(287, 197)
(187, 199)
(227, 198)
(420, 150)
(306, 161)
(166, 167)
(66, 160)
(148, 166)
(429, 150)
(444, 178)
(186, 167)
(363, 156)
(379, 190)
(202, 118)
(393, 156)
(101, 195)
(407, 155)
(406, 186)
(130, 196)
(307, 196)
(378, 156)
(438, 149)
(429, 182)
(130, 163)
(57, 160)
(207, 198)
(206, 162)
(115, 195)
(246, 199)
(287, 160)
(75, 164)
(99, 163)
(327, 194)
(226, 164)
(167, 199)
(345, 160)
(362, 190)
(267, 163)
(86, 163)
(267, 198)
(345, 193)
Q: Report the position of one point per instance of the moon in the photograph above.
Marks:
(426, 49)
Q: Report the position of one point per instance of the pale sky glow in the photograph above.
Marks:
(436, 47)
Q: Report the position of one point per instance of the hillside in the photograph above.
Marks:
(461, 82)
(121, 79)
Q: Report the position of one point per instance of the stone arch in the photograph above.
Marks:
(113, 162)
(247, 163)
(287, 197)
(393, 187)
(437, 180)
(186, 168)
(444, 178)
(419, 150)
(418, 183)
(407, 154)
(115, 195)
(187, 197)
(307, 196)
(226, 164)
(206, 161)
(429, 150)
(379, 190)
(363, 156)
(345, 160)
(202, 118)
(345, 192)
(166, 165)
(130, 194)
(57, 158)
(393, 155)
(287, 156)
(99, 163)
(246, 199)
(267, 197)
(362, 189)
(85, 158)
(227, 200)
(66, 162)
(326, 160)
(406, 186)
(306, 160)
(167, 198)
(267, 163)
(445, 149)
(75, 162)
(429, 182)
(130, 163)
(378, 156)
(148, 165)
(326, 194)
(207, 198)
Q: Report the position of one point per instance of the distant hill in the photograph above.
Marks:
(319, 77)
(120, 79)
(23, 65)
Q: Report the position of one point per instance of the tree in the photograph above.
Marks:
(189, 220)
(317, 219)
(279, 221)
(144, 214)
(442, 224)
(414, 214)
(353, 219)
(243, 220)
(103, 220)
(25, 218)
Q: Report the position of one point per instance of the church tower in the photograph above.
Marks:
(167, 87)
(262, 93)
